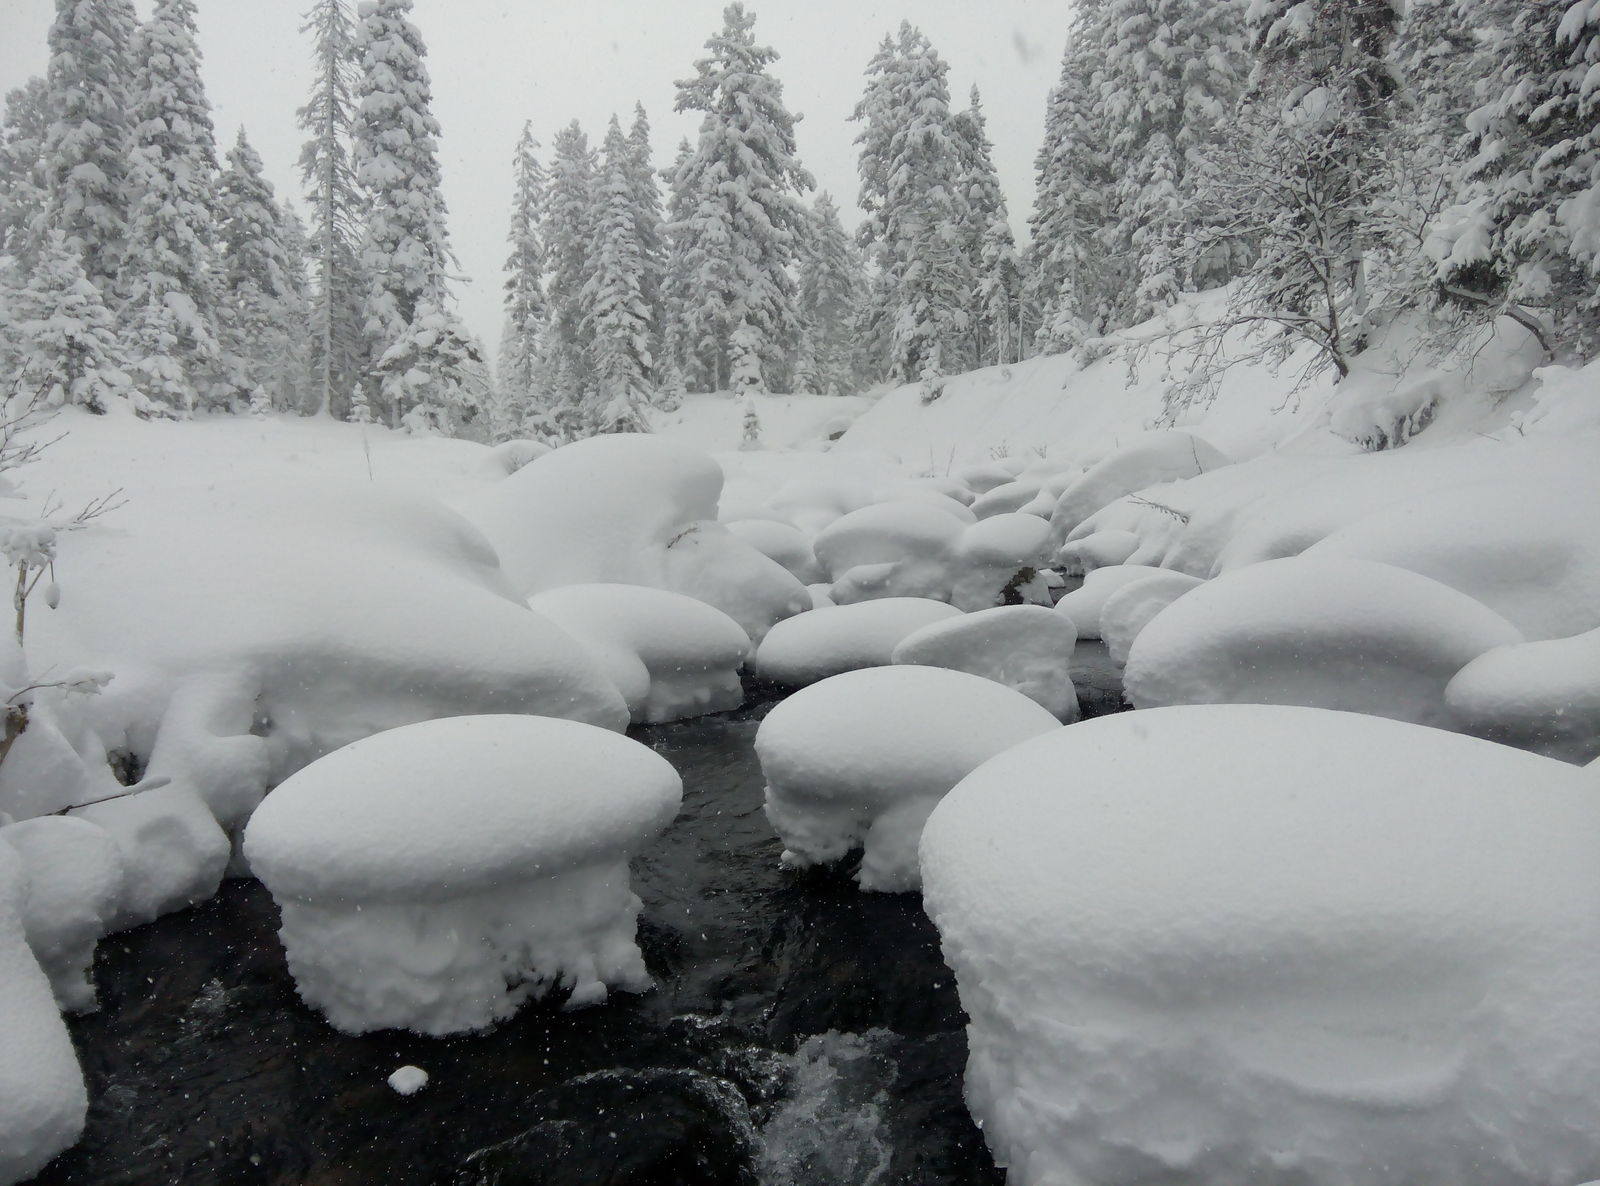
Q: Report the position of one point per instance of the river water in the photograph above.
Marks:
(801, 1034)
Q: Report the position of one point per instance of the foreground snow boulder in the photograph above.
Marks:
(437, 876)
(1231, 944)
(42, 1098)
(840, 638)
(1025, 647)
(670, 655)
(1543, 696)
(859, 760)
(1347, 634)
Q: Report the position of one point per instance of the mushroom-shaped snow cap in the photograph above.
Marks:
(458, 806)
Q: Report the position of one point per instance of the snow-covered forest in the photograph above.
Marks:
(924, 685)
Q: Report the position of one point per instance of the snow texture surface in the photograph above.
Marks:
(1543, 696)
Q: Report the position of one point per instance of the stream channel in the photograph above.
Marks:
(801, 1033)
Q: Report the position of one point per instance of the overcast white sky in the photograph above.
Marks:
(495, 63)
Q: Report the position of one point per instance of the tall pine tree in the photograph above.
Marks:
(24, 177)
(569, 225)
(525, 308)
(831, 289)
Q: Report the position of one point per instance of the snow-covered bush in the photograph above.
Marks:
(406, 906)
(1274, 945)
(860, 759)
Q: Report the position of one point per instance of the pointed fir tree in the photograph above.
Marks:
(261, 313)
(301, 385)
(677, 282)
(336, 338)
(986, 240)
(24, 178)
(170, 324)
(618, 319)
(741, 233)
(745, 379)
(750, 428)
(64, 336)
(525, 308)
(649, 226)
(569, 226)
(420, 351)
(832, 283)
(910, 171)
(91, 92)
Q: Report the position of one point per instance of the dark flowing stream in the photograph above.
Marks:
(801, 1034)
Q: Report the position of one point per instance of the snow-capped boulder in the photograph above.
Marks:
(781, 542)
(1025, 647)
(1274, 945)
(435, 877)
(992, 554)
(1543, 696)
(1153, 459)
(670, 655)
(1346, 634)
(42, 1098)
(912, 543)
(1100, 549)
(1085, 603)
(172, 850)
(983, 476)
(1005, 499)
(860, 759)
(926, 495)
(842, 638)
(71, 879)
(633, 509)
(508, 457)
(1132, 607)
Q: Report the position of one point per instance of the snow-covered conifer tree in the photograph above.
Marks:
(831, 288)
(677, 281)
(745, 219)
(261, 314)
(170, 326)
(91, 89)
(24, 178)
(337, 339)
(745, 376)
(64, 336)
(618, 319)
(750, 428)
(569, 224)
(987, 241)
(525, 307)
(418, 346)
(648, 224)
(910, 169)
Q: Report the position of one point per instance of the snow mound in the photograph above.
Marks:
(1346, 634)
(42, 1098)
(631, 509)
(508, 457)
(1100, 549)
(434, 877)
(1085, 603)
(1005, 499)
(859, 760)
(1152, 460)
(840, 638)
(1132, 607)
(1543, 696)
(1025, 647)
(783, 543)
(670, 655)
(991, 556)
(1274, 945)
(908, 546)
(71, 873)
(173, 852)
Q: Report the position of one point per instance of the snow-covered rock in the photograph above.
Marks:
(435, 877)
(508, 457)
(71, 877)
(1085, 603)
(173, 852)
(1152, 460)
(991, 554)
(1099, 549)
(1543, 696)
(1005, 499)
(631, 509)
(1274, 945)
(670, 655)
(42, 1098)
(782, 542)
(859, 760)
(913, 542)
(1132, 607)
(1347, 634)
(1026, 647)
(842, 638)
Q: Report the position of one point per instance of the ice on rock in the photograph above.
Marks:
(1025, 647)
(1126, 612)
(1347, 634)
(1100, 549)
(42, 1098)
(1543, 696)
(632, 509)
(434, 877)
(1085, 603)
(1274, 945)
(71, 878)
(1152, 460)
(908, 547)
(860, 759)
(670, 655)
(991, 556)
(783, 543)
(843, 638)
